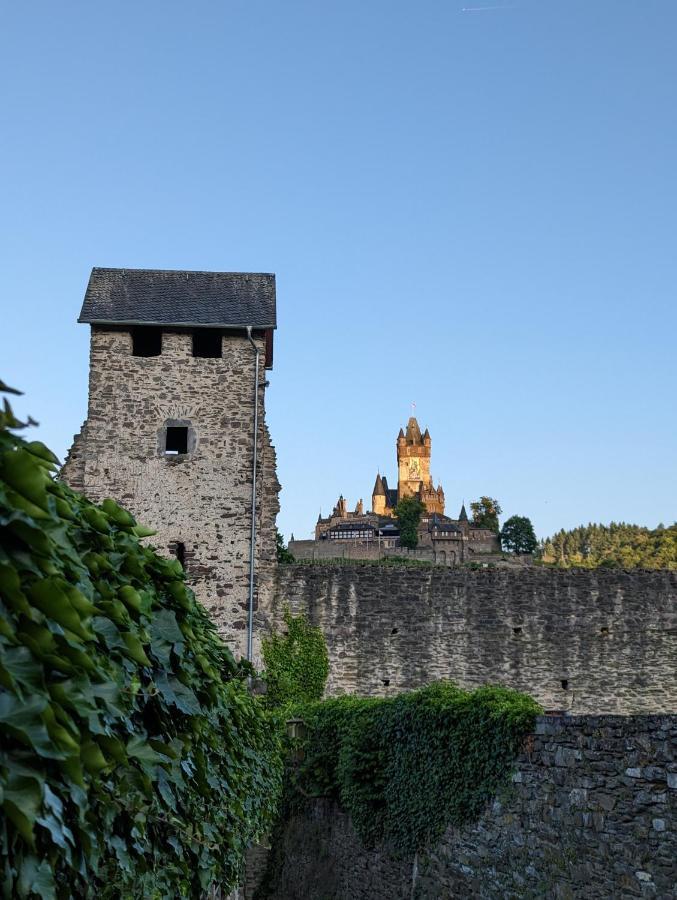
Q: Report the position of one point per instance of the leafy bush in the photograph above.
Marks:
(296, 663)
(407, 768)
(133, 763)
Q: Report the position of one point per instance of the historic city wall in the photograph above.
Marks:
(585, 641)
(448, 554)
(590, 812)
(201, 499)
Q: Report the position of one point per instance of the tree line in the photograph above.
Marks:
(619, 544)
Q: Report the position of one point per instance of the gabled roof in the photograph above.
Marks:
(167, 297)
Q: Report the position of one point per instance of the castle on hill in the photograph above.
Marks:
(459, 537)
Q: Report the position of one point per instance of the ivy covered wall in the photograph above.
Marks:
(591, 811)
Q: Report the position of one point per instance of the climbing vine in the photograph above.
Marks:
(134, 763)
(407, 768)
(296, 662)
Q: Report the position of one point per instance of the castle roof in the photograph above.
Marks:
(442, 523)
(463, 515)
(167, 297)
(379, 490)
(413, 432)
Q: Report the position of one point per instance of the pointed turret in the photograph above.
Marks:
(378, 497)
(463, 515)
(413, 432)
(426, 438)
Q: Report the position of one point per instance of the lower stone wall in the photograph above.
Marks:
(590, 813)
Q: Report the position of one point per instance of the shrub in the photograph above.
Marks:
(407, 768)
(296, 663)
(134, 763)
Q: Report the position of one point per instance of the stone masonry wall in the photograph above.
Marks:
(202, 500)
(444, 554)
(585, 641)
(590, 813)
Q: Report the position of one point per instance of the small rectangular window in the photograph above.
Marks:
(207, 343)
(146, 341)
(177, 440)
(180, 552)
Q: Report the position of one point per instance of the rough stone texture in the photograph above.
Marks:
(202, 499)
(572, 824)
(609, 635)
(440, 554)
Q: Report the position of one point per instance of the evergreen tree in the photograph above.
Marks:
(283, 554)
(617, 544)
(517, 535)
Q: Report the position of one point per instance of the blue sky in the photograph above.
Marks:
(474, 211)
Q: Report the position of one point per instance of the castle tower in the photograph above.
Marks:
(170, 425)
(378, 497)
(413, 460)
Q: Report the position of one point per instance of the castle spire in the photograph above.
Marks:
(413, 432)
(379, 490)
(463, 515)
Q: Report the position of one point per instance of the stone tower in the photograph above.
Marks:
(413, 460)
(378, 497)
(169, 434)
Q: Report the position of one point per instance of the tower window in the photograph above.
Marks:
(177, 440)
(180, 552)
(146, 341)
(207, 343)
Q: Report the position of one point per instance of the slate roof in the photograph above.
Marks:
(413, 432)
(166, 297)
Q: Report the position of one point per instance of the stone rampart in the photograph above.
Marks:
(590, 812)
(442, 554)
(584, 641)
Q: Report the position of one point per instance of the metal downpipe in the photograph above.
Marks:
(252, 545)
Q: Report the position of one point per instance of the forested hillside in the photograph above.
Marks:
(617, 544)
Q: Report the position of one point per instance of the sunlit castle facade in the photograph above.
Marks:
(413, 475)
(379, 524)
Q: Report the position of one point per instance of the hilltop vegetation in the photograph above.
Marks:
(618, 544)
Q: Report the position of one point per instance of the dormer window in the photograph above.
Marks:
(146, 341)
